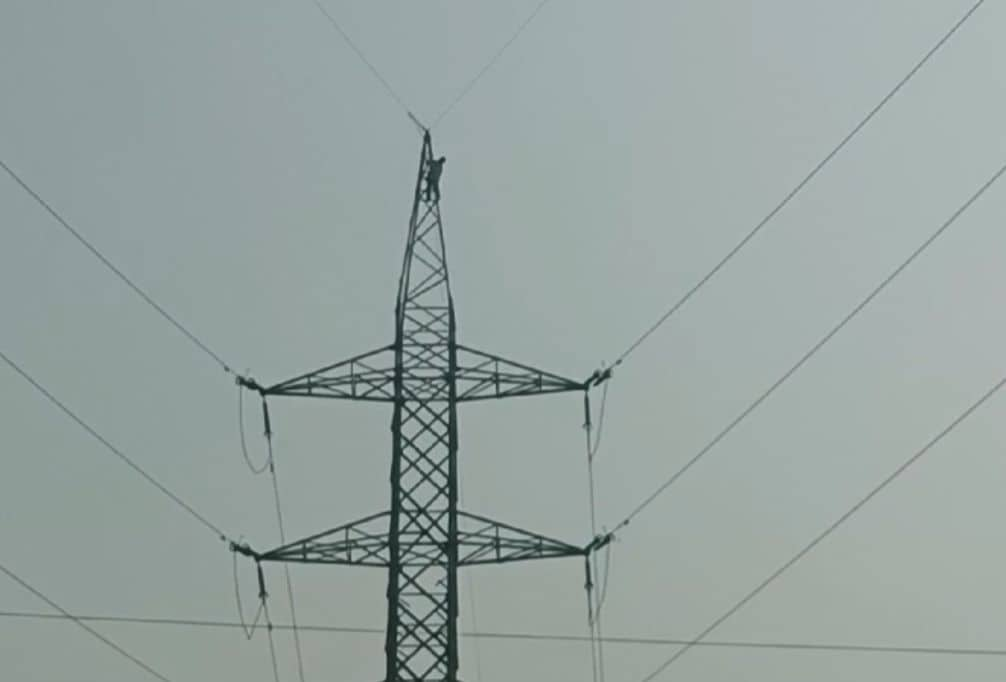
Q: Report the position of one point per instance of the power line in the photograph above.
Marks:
(492, 61)
(537, 637)
(115, 270)
(470, 580)
(189, 622)
(740, 644)
(594, 618)
(114, 450)
(394, 93)
(743, 644)
(858, 308)
(79, 621)
(363, 58)
(255, 470)
(286, 567)
(248, 628)
(272, 642)
(799, 187)
(833, 527)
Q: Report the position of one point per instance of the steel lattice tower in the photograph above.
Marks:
(423, 539)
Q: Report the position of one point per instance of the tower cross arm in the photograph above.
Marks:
(480, 541)
(363, 542)
(369, 376)
(485, 541)
(485, 376)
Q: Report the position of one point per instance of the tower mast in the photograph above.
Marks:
(423, 538)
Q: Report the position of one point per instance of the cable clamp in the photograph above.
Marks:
(597, 378)
(245, 549)
(599, 542)
(249, 383)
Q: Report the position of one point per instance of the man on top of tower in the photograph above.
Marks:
(433, 172)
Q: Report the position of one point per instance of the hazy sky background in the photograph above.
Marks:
(239, 162)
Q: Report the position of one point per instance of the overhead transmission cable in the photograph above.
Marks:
(473, 612)
(798, 188)
(394, 93)
(821, 647)
(63, 613)
(489, 64)
(270, 466)
(272, 643)
(116, 271)
(247, 628)
(286, 566)
(858, 308)
(363, 58)
(209, 525)
(256, 470)
(594, 619)
(876, 490)
(475, 624)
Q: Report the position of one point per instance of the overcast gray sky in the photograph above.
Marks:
(238, 161)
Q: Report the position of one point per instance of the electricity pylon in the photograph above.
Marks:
(423, 539)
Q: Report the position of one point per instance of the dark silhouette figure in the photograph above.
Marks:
(433, 173)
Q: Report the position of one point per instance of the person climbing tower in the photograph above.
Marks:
(433, 173)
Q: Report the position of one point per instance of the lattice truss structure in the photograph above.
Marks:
(423, 539)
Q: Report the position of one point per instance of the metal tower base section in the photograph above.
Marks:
(423, 538)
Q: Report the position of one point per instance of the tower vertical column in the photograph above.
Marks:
(421, 640)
